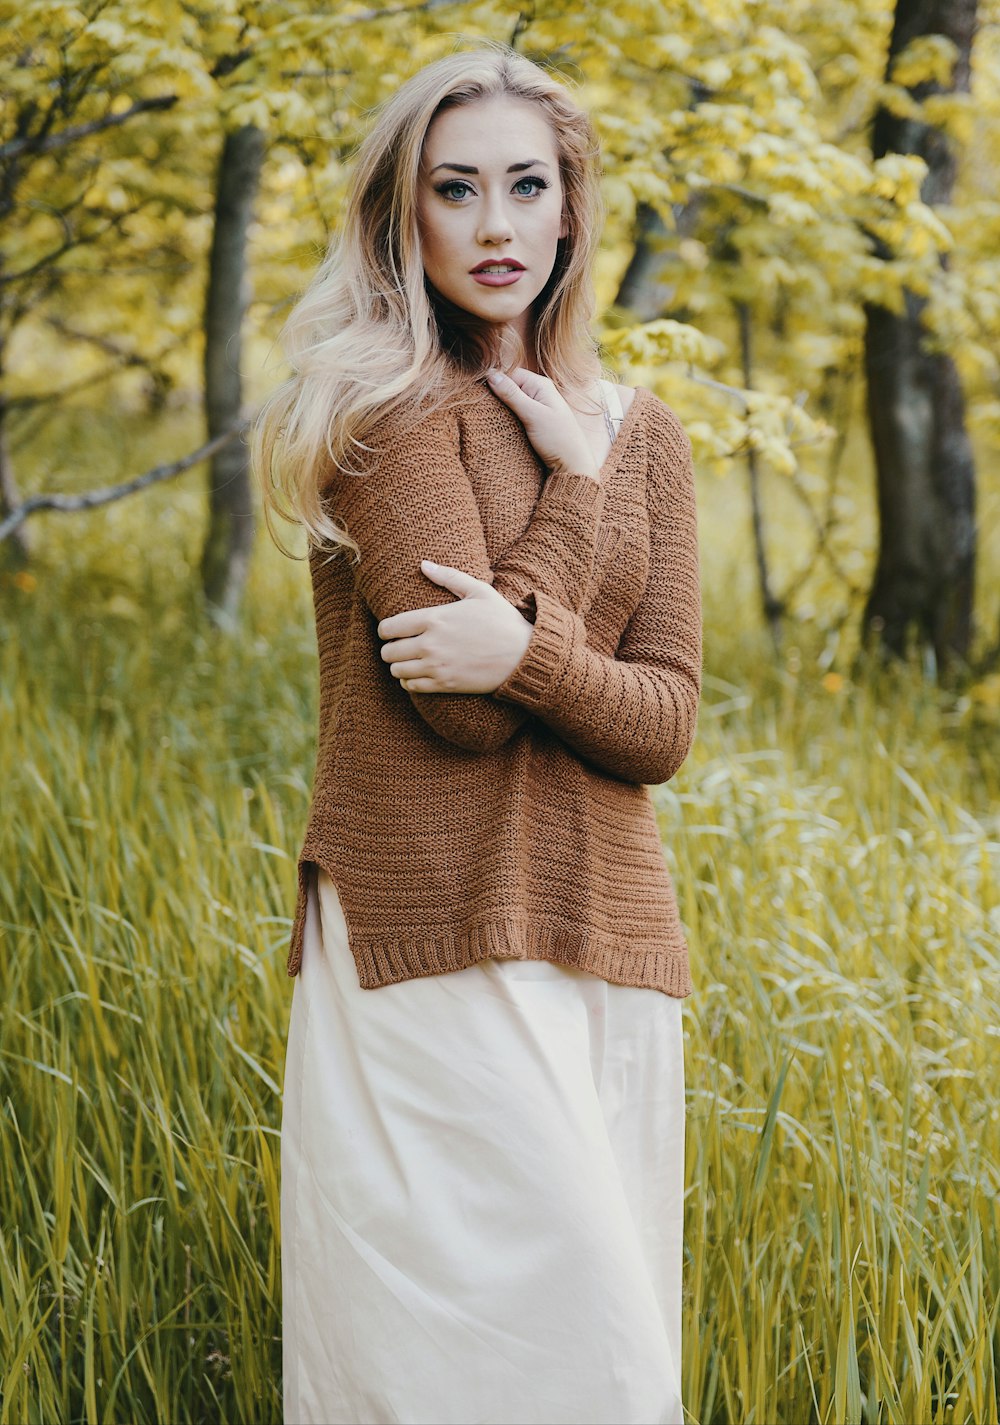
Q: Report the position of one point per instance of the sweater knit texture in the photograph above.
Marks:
(518, 823)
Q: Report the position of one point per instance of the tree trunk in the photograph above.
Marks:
(925, 574)
(647, 287)
(771, 606)
(228, 544)
(16, 551)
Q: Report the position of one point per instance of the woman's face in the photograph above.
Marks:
(490, 193)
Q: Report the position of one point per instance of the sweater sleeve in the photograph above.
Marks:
(415, 501)
(632, 715)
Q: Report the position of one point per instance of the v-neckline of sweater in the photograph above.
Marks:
(623, 435)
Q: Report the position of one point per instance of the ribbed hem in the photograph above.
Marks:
(386, 960)
(534, 682)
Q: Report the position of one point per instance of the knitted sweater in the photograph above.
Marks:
(518, 823)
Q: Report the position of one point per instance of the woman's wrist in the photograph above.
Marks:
(577, 467)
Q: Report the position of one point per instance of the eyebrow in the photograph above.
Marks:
(514, 168)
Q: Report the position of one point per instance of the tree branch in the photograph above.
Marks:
(92, 498)
(121, 358)
(77, 239)
(34, 143)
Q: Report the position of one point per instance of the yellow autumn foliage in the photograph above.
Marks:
(736, 124)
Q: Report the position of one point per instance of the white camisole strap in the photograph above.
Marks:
(613, 400)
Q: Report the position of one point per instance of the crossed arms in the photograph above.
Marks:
(632, 715)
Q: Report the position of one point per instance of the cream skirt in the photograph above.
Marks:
(482, 1194)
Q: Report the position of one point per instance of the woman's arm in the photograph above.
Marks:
(415, 501)
(633, 715)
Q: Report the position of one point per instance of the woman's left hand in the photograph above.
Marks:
(469, 646)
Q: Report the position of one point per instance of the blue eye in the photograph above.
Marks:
(444, 188)
(534, 178)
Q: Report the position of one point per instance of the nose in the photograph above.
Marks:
(495, 225)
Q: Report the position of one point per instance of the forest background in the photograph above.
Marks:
(802, 257)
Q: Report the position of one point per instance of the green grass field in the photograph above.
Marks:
(836, 850)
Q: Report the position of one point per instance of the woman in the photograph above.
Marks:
(483, 1121)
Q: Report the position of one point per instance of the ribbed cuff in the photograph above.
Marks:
(534, 683)
(580, 492)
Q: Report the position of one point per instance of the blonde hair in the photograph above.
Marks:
(367, 335)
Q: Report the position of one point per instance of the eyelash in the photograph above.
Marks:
(535, 178)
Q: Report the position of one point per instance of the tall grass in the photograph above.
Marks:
(836, 851)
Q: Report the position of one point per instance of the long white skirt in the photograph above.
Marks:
(482, 1210)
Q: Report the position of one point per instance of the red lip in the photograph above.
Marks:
(498, 261)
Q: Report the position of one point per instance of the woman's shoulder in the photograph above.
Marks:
(665, 419)
(626, 394)
(655, 410)
(409, 417)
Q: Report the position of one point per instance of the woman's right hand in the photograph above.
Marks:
(549, 422)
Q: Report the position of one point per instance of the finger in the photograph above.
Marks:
(407, 624)
(457, 580)
(520, 400)
(406, 668)
(534, 384)
(397, 649)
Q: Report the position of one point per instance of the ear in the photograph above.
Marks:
(564, 225)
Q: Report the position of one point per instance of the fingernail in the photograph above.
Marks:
(427, 564)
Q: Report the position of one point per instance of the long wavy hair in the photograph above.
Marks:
(370, 333)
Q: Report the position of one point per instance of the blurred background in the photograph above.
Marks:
(802, 257)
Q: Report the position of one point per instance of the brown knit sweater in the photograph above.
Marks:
(516, 823)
